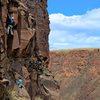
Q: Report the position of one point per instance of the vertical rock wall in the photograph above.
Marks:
(20, 10)
(42, 28)
(25, 54)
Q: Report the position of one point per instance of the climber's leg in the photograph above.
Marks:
(9, 30)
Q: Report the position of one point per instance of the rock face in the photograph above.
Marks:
(24, 51)
(31, 18)
(78, 73)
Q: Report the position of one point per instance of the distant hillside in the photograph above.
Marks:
(78, 73)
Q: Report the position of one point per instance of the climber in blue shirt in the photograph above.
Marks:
(20, 83)
(9, 24)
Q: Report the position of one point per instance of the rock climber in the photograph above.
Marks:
(10, 24)
(20, 83)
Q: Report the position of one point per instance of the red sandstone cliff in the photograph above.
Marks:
(25, 54)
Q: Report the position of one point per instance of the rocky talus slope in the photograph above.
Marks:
(78, 73)
(25, 53)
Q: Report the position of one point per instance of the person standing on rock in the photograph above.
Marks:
(20, 85)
